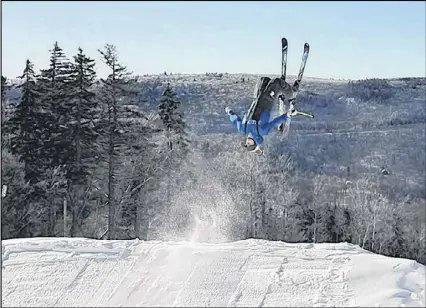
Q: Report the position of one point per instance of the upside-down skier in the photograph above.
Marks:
(269, 92)
(255, 124)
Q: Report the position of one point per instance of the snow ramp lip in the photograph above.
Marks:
(50, 272)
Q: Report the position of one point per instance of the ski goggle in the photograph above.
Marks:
(247, 144)
(252, 148)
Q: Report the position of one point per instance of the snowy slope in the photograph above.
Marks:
(82, 272)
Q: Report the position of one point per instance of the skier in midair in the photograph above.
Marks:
(268, 93)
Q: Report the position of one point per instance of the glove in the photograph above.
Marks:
(291, 111)
(295, 87)
(229, 111)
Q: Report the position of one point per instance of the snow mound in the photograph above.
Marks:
(46, 272)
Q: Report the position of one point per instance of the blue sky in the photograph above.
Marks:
(348, 39)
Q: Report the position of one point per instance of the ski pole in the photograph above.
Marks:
(305, 114)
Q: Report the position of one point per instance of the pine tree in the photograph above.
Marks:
(173, 119)
(175, 135)
(82, 111)
(52, 116)
(38, 214)
(398, 245)
(4, 132)
(3, 87)
(330, 227)
(127, 149)
(114, 88)
(25, 125)
(3, 99)
(80, 131)
(55, 96)
(58, 72)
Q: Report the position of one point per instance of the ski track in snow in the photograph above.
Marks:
(52, 272)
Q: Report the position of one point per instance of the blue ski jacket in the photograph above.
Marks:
(257, 130)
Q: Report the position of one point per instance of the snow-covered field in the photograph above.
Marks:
(46, 272)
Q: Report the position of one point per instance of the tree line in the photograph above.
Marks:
(76, 153)
(269, 198)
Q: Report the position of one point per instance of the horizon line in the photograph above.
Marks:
(8, 79)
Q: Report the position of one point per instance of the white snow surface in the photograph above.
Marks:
(46, 272)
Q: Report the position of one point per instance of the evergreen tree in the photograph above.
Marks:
(346, 235)
(331, 231)
(53, 86)
(4, 88)
(398, 244)
(82, 111)
(3, 99)
(174, 128)
(79, 130)
(57, 74)
(53, 116)
(25, 125)
(173, 119)
(33, 201)
(126, 135)
(114, 88)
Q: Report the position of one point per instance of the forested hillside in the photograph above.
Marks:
(156, 157)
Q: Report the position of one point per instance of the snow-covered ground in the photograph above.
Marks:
(46, 272)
